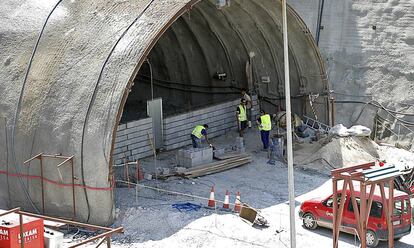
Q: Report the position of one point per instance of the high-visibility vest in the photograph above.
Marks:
(266, 123)
(242, 113)
(197, 131)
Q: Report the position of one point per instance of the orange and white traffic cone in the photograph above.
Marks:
(237, 204)
(211, 201)
(226, 204)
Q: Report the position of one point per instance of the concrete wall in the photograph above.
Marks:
(364, 63)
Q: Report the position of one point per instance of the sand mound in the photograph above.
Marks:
(337, 152)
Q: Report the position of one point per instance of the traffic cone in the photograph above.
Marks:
(237, 204)
(211, 201)
(226, 204)
(140, 174)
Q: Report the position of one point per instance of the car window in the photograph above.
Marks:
(329, 202)
(376, 208)
(398, 208)
(406, 206)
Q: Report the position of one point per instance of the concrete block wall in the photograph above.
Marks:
(221, 118)
(132, 141)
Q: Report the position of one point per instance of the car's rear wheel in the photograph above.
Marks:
(371, 239)
(309, 221)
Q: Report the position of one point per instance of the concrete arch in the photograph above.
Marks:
(79, 80)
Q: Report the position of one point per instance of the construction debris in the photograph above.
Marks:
(252, 216)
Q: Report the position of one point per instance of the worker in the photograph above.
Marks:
(198, 133)
(242, 117)
(265, 125)
(280, 119)
(249, 106)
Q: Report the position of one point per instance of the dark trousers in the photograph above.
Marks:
(265, 138)
(196, 141)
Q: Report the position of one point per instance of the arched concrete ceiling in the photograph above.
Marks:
(68, 97)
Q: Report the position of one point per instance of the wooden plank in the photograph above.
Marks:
(219, 169)
(215, 164)
(227, 156)
(209, 169)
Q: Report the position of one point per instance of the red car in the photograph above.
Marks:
(319, 212)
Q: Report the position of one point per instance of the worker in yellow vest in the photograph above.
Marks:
(265, 125)
(198, 133)
(242, 116)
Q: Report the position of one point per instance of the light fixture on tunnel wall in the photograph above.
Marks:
(220, 76)
(222, 3)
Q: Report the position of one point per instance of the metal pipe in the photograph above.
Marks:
(100, 242)
(9, 211)
(105, 234)
(318, 26)
(73, 189)
(33, 158)
(391, 212)
(291, 187)
(108, 241)
(66, 160)
(68, 222)
(42, 184)
(21, 230)
(54, 156)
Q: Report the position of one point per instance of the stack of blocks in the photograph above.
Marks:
(240, 145)
(194, 156)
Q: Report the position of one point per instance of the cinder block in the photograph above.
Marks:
(139, 123)
(120, 149)
(121, 133)
(121, 144)
(239, 142)
(179, 169)
(120, 138)
(166, 171)
(219, 152)
(121, 127)
(148, 176)
(143, 128)
(140, 134)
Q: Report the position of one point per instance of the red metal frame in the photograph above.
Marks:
(106, 235)
(40, 156)
(353, 174)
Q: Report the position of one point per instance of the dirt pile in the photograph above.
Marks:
(336, 152)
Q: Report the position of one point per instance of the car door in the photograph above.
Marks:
(325, 211)
(374, 220)
(402, 213)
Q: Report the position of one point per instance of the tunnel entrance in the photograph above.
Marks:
(204, 59)
(208, 54)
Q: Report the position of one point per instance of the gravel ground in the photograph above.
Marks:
(150, 220)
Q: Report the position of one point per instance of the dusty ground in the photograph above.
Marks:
(150, 221)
